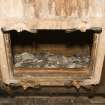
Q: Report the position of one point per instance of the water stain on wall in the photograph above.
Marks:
(68, 7)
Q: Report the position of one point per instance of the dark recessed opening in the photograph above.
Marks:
(51, 49)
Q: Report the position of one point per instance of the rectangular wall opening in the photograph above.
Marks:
(51, 49)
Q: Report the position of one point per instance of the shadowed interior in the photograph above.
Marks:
(56, 45)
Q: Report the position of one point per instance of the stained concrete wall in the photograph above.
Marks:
(55, 9)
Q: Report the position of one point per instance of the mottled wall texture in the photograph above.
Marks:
(31, 15)
(51, 8)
